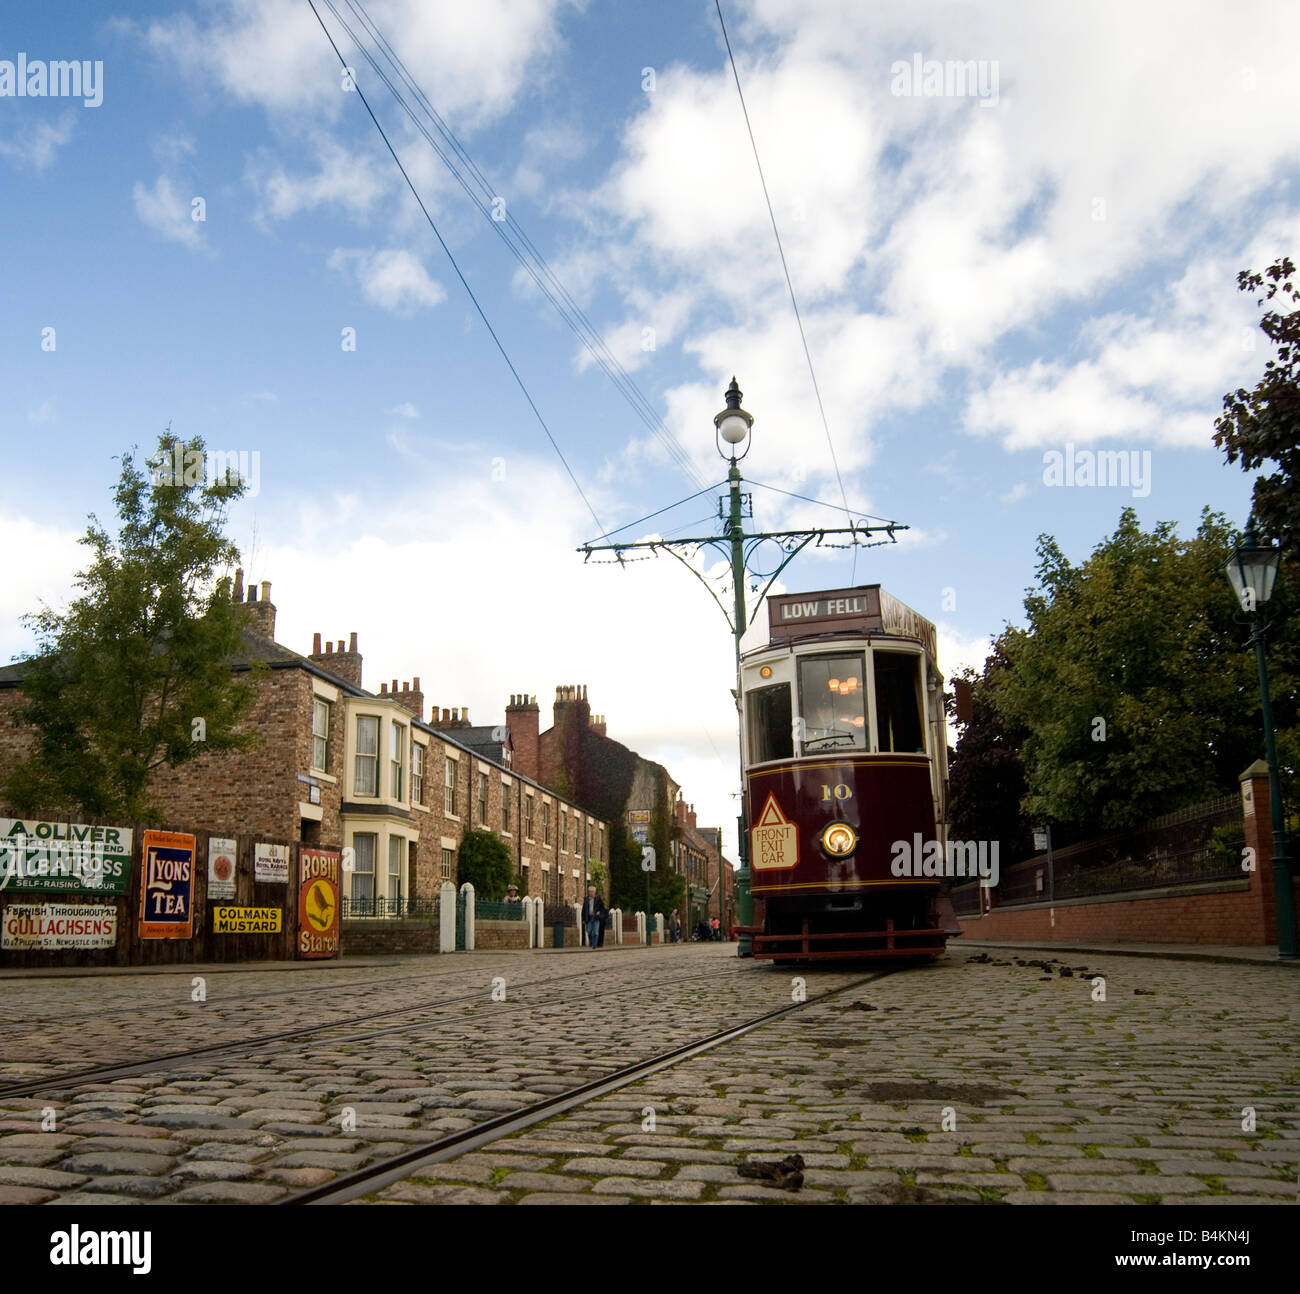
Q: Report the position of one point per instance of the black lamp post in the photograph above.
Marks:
(1252, 572)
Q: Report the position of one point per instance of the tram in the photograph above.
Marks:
(846, 767)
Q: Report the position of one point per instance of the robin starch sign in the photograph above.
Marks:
(318, 902)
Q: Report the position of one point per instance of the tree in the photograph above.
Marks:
(1130, 678)
(1263, 425)
(986, 782)
(485, 862)
(136, 674)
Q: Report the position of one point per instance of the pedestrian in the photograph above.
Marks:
(675, 927)
(717, 928)
(594, 914)
(512, 894)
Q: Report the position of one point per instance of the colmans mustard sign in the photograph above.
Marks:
(245, 921)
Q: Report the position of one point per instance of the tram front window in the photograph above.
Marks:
(770, 734)
(898, 702)
(833, 701)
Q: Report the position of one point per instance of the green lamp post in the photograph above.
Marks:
(1252, 572)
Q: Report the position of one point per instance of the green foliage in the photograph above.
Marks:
(145, 650)
(986, 781)
(1143, 637)
(597, 875)
(484, 861)
(1263, 425)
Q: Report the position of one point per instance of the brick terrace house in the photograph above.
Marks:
(710, 880)
(341, 766)
(577, 757)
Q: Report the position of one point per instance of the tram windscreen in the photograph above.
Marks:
(833, 703)
(898, 702)
(770, 733)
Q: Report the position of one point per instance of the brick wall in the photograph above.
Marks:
(369, 938)
(1226, 912)
(500, 934)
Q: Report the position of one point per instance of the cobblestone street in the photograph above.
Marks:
(989, 1076)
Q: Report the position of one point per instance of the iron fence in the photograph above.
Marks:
(559, 914)
(494, 910)
(403, 907)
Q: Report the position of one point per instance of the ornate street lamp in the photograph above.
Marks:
(1252, 572)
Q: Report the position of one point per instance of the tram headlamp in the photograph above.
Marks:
(839, 839)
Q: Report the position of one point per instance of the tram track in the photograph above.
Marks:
(395, 1168)
(50, 1084)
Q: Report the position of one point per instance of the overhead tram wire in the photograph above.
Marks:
(786, 269)
(464, 282)
(511, 233)
(852, 512)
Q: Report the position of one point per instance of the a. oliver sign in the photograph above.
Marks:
(72, 857)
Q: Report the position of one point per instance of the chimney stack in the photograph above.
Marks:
(262, 618)
(522, 723)
(342, 664)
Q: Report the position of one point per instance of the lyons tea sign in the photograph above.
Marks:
(64, 856)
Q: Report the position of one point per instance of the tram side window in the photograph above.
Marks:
(833, 702)
(898, 702)
(770, 735)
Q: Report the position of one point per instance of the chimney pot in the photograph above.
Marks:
(394, 685)
(239, 584)
(329, 649)
(266, 590)
(315, 644)
(415, 683)
(383, 689)
(252, 592)
(352, 644)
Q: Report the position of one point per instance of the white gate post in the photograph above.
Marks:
(447, 918)
(618, 925)
(539, 911)
(640, 927)
(528, 918)
(468, 891)
(582, 934)
(659, 926)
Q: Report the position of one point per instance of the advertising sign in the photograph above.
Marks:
(245, 921)
(167, 886)
(222, 859)
(318, 902)
(59, 925)
(271, 865)
(64, 856)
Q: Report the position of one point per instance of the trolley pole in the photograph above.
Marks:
(733, 426)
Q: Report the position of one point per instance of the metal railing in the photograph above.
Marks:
(559, 914)
(403, 907)
(497, 910)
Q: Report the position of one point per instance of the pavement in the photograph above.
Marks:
(1257, 953)
(992, 1075)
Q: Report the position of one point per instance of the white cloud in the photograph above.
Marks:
(404, 410)
(167, 212)
(351, 181)
(472, 60)
(393, 279)
(36, 144)
(41, 413)
(51, 558)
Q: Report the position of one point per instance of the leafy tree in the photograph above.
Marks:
(484, 860)
(986, 782)
(597, 875)
(1263, 425)
(1130, 679)
(136, 674)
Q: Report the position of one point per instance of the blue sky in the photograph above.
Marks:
(986, 276)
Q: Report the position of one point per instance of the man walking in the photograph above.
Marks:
(594, 913)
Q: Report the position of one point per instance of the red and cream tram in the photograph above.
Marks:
(845, 755)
